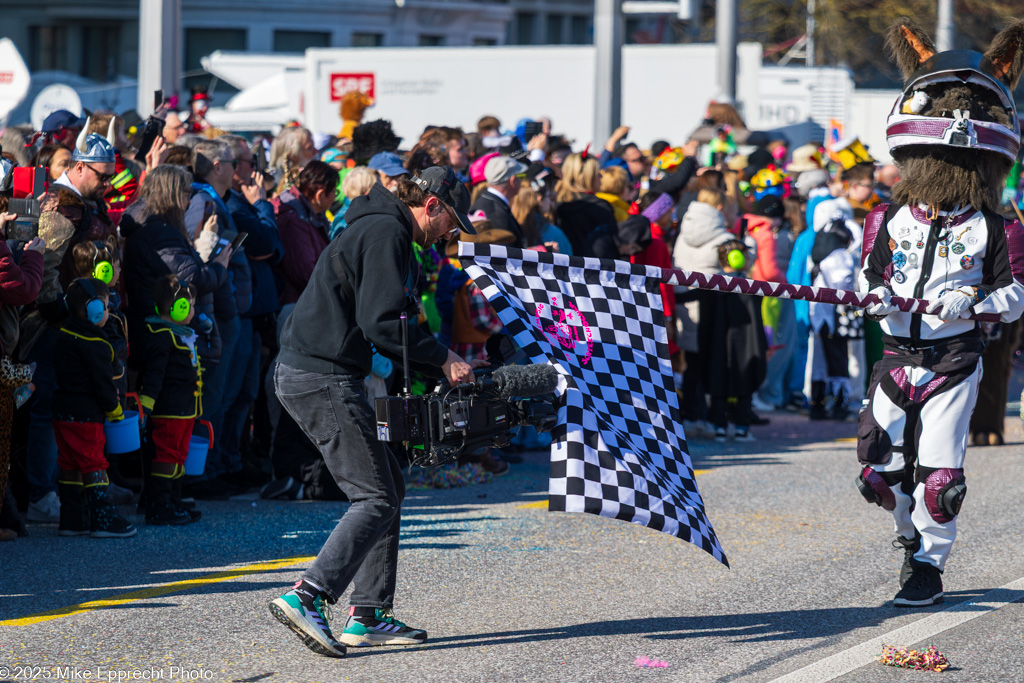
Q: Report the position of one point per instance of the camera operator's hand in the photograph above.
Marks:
(457, 371)
(37, 245)
(479, 363)
(4, 218)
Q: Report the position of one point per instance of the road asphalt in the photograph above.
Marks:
(511, 592)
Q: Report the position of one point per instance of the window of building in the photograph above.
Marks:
(48, 48)
(431, 41)
(299, 41)
(367, 39)
(101, 49)
(200, 42)
(482, 42)
(555, 23)
(580, 31)
(524, 23)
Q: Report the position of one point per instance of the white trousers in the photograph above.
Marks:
(932, 433)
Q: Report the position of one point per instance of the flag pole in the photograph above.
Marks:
(725, 283)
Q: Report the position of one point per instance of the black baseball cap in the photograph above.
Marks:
(442, 182)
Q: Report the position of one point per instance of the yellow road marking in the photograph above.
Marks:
(846, 439)
(155, 591)
(543, 504)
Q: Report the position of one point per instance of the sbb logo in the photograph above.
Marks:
(343, 83)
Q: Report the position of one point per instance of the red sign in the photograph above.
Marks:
(343, 83)
(6, 76)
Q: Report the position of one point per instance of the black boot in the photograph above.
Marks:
(909, 546)
(190, 510)
(840, 408)
(160, 509)
(818, 411)
(105, 522)
(923, 588)
(74, 518)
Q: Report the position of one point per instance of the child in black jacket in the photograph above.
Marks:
(86, 394)
(171, 395)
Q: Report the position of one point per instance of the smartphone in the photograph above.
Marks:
(25, 227)
(154, 127)
(259, 159)
(239, 238)
(533, 128)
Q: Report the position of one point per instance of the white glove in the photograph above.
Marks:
(951, 304)
(206, 243)
(883, 307)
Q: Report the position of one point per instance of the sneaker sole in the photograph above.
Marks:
(73, 532)
(373, 639)
(934, 600)
(113, 534)
(284, 612)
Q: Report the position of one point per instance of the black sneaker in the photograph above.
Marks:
(909, 547)
(923, 588)
(374, 626)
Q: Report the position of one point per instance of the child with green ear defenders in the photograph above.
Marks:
(101, 260)
(171, 397)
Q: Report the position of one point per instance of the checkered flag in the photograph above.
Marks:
(619, 449)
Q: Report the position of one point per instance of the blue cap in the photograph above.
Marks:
(388, 163)
(94, 149)
(61, 118)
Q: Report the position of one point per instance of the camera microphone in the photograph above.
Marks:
(520, 381)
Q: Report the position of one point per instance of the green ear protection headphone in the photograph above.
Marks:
(179, 309)
(736, 259)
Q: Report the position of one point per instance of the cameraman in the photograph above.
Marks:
(361, 285)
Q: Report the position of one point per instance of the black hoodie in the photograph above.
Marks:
(333, 325)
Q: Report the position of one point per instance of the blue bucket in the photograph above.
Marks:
(198, 447)
(123, 436)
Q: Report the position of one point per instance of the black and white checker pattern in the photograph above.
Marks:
(619, 450)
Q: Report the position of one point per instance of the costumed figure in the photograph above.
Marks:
(954, 134)
(353, 104)
(198, 105)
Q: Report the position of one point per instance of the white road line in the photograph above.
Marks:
(849, 660)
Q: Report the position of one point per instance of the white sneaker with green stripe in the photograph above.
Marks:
(374, 626)
(309, 620)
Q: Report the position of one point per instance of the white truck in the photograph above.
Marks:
(666, 89)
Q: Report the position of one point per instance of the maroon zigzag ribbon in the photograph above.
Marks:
(823, 295)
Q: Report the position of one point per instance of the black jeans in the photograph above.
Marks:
(363, 548)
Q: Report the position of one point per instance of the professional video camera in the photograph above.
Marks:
(437, 427)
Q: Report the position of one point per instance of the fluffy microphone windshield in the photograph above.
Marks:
(514, 381)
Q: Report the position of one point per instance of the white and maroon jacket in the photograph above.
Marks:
(915, 257)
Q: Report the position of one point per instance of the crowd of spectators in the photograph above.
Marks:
(194, 224)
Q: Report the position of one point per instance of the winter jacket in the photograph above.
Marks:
(19, 283)
(336, 324)
(233, 297)
(580, 217)
(696, 250)
(171, 383)
(153, 250)
(84, 364)
(304, 236)
(766, 264)
(66, 219)
(499, 214)
(263, 248)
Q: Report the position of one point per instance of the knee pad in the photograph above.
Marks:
(944, 491)
(874, 486)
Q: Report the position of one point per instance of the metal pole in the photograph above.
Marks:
(159, 51)
(726, 37)
(809, 46)
(608, 69)
(945, 32)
